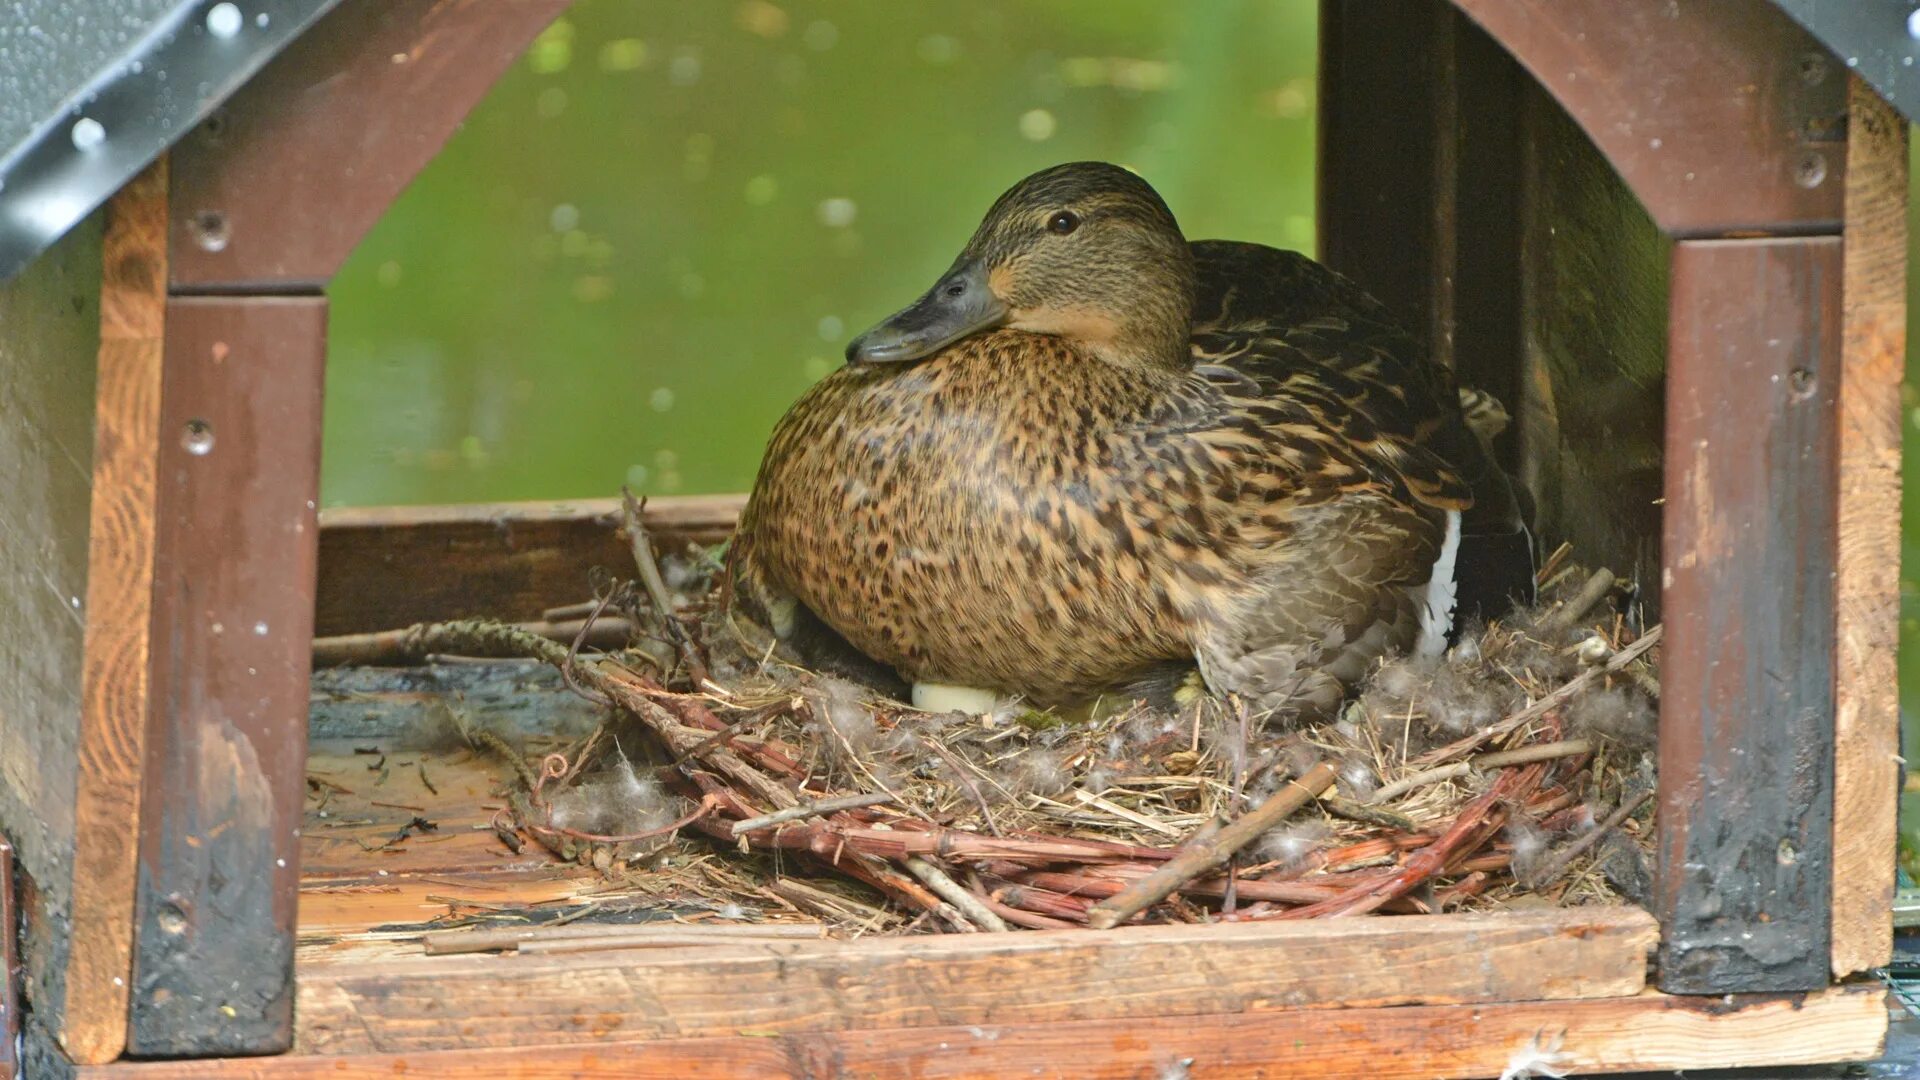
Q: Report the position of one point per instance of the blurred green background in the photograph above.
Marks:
(669, 218)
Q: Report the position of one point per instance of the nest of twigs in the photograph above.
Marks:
(1517, 769)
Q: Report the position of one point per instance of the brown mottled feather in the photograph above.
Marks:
(1012, 514)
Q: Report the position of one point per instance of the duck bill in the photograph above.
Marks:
(959, 305)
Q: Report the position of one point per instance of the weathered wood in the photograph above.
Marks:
(1647, 1032)
(277, 188)
(113, 718)
(1746, 718)
(10, 972)
(1593, 289)
(1723, 117)
(1866, 676)
(464, 1002)
(232, 615)
(382, 568)
(1377, 173)
(49, 340)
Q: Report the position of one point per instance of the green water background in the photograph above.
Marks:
(669, 217)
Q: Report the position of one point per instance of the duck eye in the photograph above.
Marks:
(1063, 222)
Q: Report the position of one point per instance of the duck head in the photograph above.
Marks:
(1087, 252)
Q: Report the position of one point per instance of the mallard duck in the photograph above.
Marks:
(1094, 457)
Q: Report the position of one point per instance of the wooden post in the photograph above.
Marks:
(1746, 728)
(267, 200)
(113, 719)
(1873, 354)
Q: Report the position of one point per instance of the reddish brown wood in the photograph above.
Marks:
(1724, 117)
(233, 609)
(383, 568)
(10, 973)
(280, 185)
(1648, 1032)
(1747, 705)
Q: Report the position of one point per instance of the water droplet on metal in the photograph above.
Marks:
(224, 20)
(260, 629)
(88, 134)
(261, 20)
(1913, 25)
(198, 438)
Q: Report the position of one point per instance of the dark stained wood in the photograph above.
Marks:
(429, 1003)
(280, 185)
(113, 718)
(234, 576)
(382, 568)
(1647, 1032)
(1589, 417)
(1378, 68)
(10, 971)
(1746, 720)
(49, 338)
(1722, 117)
(1867, 718)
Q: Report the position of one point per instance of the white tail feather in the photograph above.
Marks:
(1436, 613)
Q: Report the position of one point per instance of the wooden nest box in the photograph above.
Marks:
(1671, 236)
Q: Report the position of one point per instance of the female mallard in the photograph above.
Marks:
(1093, 455)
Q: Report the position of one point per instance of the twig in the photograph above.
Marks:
(1559, 861)
(950, 890)
(1205, 853)
(1525, 755)
(1367, 815)
(1590, 595)
(416, 643)
(1560, 696)
(816, 808)
(656, 586)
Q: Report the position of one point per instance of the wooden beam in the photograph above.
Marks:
(463, 1002)
(382, 568)
(233, 609)
(1648, 1032)
(1746, 720)
(277, 188)
(1723, 117)
(113, 718)
(10, 972)
(1867, 718)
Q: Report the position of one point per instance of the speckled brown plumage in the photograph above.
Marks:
(1064, 512)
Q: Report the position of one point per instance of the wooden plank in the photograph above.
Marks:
(1648, 1032)
(1590, 411)
(49, 343)
(1723, 117)
(1746, 718)
(1866, 685)
(10, 972)
(341, 121)
(233, 610)
(113, 718)
(464, 1002)
(382, 568)
(1377, 171)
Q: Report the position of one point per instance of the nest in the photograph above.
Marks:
(1517, 769)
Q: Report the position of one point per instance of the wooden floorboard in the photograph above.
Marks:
(1646, 1032)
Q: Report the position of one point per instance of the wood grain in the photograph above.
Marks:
(435, 1003)
(113, 717)
(233, 608)
(1866, 690)
(1647, 1032)
(9, 965)
(382, 568)
(49, 346)
(1745, 882)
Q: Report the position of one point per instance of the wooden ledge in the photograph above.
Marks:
(388, 567)
(1649, 1031)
